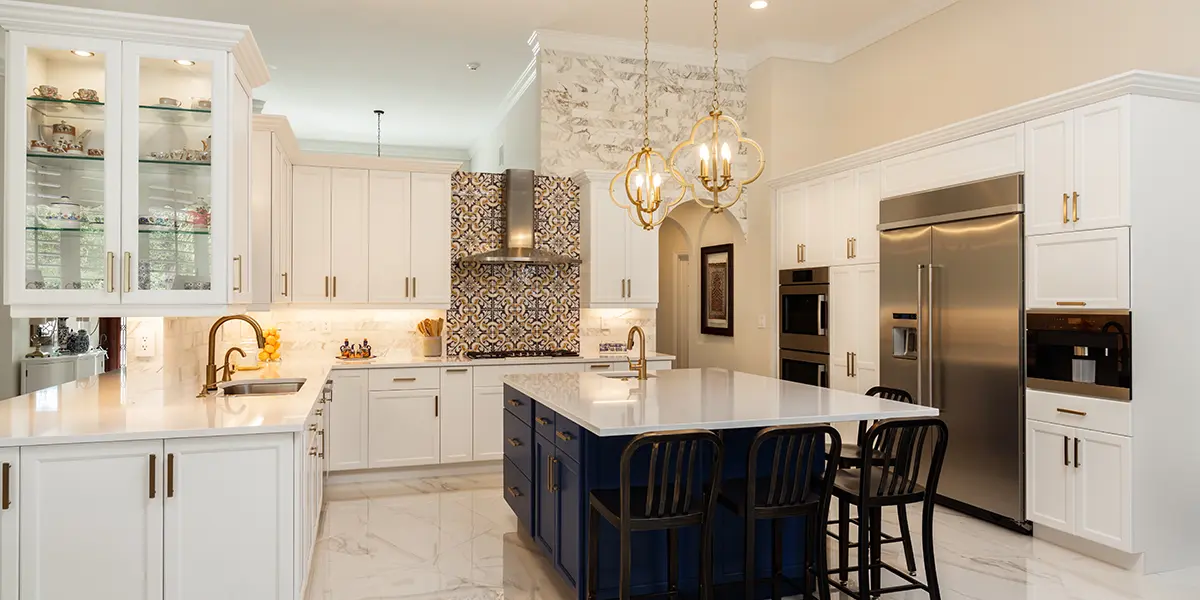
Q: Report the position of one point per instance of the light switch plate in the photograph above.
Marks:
(762, 321)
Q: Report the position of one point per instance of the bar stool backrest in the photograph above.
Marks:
(676, 482)
(795, 475)
(886, 393)
(899, 447)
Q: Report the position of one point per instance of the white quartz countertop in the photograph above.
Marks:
(699, 398)
(406, 360)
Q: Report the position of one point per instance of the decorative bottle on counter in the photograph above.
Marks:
(347, 350)
(366, 349)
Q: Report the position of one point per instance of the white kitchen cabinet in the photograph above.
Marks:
(272, 203)
(1079, 269)
(241, 273)
(1104, 489)
(1050, 490)
(865, 239)
(203, 518)
(1077, 169)
(347, 431)
(349, 224)
(830, 221)
(844, 216)
(456, 415)
(310, 234)
(984, 156)
(410, 217)
(817, 242)
(91, 521)
(404, 428)
(620, 258)
(10, 522)
(488, 420)
(1080, 482)
(789, 209)
(854, 327)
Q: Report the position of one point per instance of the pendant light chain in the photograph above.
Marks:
(646, 75)
(716, 71)
(378, 133)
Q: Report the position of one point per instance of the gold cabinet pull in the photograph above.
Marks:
(1066, 197)
(854, 247)
(1077, 463)
(414, 287)
(403, 379)
(550, 483)
(1075, 206)
(321, 452)
(514, 442)
(238, 260)
(512, 402)
(854, 364)
(312, 451)
(312, 427)
(285, 290)
(326, 286)
(462, 370)
(803, 253)
(1070, 303)
(128, 268)
(564, 436)
(153, 474)
(405, 287)
(798, 259)
(112, 284)
(630, 288)
(514, 492)
(542, 421)
(600, 366)
(847, 247)
(847, 364)
(335, 286)
(170, 474)
(1078, 413)
(7, 501)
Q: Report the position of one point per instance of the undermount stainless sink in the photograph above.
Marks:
(261, 387)
(625, 375)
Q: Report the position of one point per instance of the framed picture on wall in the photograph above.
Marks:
(716, 290)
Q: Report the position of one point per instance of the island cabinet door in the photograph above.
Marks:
(10, 461)
(229, 502)
(92, 521)
(545, 525)
(569, 521)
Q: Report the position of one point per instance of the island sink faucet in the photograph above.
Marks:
(640, 365)
(210, 370)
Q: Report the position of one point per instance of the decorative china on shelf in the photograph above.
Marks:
(156, 223)
(39, 147)
(95, 152)
(201, 104)
(63, 214)
(86, 95)
(168, 102)
(48, 92)
(199, 215)
(63, 134)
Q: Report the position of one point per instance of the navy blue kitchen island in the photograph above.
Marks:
(564, 434)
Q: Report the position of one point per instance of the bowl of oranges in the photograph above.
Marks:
(271, 351)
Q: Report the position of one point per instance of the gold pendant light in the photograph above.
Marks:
(715, 176)
(642, 177)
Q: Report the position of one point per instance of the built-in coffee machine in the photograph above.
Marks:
(1082, 353)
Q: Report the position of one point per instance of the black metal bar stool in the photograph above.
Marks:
(677, 494)
(851, 455)
(798, 486)
(900, 470)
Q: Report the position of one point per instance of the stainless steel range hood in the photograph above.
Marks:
(518, 243)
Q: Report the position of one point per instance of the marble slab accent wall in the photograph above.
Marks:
(512, 307)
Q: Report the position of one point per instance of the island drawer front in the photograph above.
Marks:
(492, 375)
(1108, 416)
(409, 378)
(544, 421)
(568, 437)
(518, 492)
(518, 443)
(519, 405)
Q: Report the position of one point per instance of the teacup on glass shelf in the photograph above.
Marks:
(86, 95)
(39, 146)
(45, 91)
(202, 103)
(95, 152)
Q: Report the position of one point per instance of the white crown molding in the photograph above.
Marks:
(354, 155)
(89, 22)
(282, 128)
(886, 27)
(1142, 83)
(580, 43)
(388, 150)
(791, 51)
(587, 176)
(355, 161)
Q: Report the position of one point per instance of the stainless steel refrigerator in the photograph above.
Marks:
(952, 332)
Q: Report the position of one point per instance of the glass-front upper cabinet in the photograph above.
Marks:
(63, 96)
(176, 124)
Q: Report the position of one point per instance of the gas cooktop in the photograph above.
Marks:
(523, 354)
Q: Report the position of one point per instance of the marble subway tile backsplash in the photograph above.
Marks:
(600, 325)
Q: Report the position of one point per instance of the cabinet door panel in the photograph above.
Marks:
(866, 327)
(89, 528)
(569, 524)
(545, 525)
(844, 211)
(1050, 485)
(790, 215)
(843, 289)
(641, 265)
(241, 282)
(202, 517)
(10, 521)
(866, 232)
(1081, 269)
(431, 238)
(309, 281)
(488, 423)
(1102, 165)
(350, 224)
(347, 432)
(391, 205)
(1104, 493)
(1049, 173)
(605, 268)
(403, 428)
(456, 419)
(818, 240)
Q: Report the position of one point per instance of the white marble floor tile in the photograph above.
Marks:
(455, 538)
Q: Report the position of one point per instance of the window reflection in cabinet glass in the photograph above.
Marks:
(174, 175)
(64, 170)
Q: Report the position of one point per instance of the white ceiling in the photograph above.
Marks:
(335, 61)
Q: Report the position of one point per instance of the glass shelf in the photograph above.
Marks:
(173, 167)
(174, 231)
(67, 109)
(170, 115)
(71, 162)
(99, 228)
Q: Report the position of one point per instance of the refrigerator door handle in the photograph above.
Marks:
(920, 353)
(821, 308)
(932, 389)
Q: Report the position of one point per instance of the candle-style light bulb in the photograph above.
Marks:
(726, 157)
(703, 161)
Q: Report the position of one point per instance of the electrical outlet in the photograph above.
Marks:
(762, 321)
(143, 345)
(326, 327)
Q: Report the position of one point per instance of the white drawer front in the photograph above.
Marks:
(407, 378)
(1110, 416)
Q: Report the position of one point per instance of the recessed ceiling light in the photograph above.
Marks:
(83, 53)
(758, 4)
(185, 62)
(474, 66)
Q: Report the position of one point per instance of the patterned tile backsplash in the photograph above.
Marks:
(512, 307)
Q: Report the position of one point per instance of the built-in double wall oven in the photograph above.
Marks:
(803, 326)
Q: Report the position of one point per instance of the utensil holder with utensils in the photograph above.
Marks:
(431, 342)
